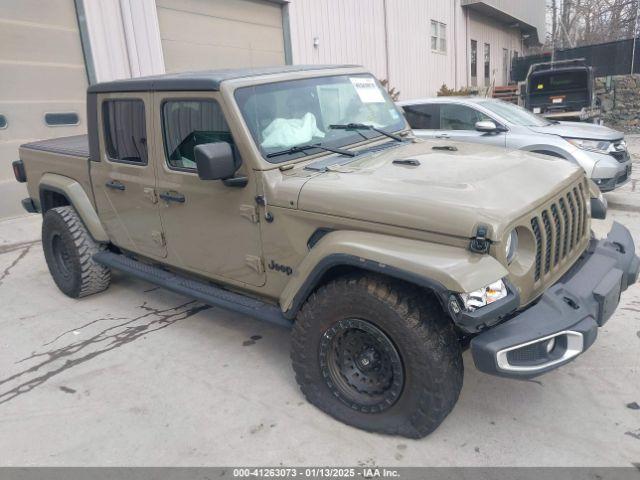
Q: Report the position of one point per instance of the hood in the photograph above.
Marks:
(580, 130)
(448, 192)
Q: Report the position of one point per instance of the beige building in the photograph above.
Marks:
(50, 50)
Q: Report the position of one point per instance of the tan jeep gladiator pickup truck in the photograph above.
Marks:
(299, 196)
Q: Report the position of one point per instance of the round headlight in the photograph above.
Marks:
(511, 246)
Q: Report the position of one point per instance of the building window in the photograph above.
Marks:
(505, 66)
(474, 62)
(487, 64)
(188, 123)
(438, 37)
(61, 119)
(3, 121)
(125, 131)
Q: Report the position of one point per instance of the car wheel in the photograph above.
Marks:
(377, 354)
(69, 249)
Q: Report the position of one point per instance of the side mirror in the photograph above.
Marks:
(216, 161)
(486, 126)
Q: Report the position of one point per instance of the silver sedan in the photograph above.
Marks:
(601, 151)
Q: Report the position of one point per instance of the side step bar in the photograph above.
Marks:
(199, 290)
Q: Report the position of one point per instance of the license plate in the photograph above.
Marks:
(557, 99)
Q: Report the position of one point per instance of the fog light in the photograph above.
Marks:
(551, 343)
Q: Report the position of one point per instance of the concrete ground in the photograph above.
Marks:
(141, 376)
(11, 193)
(627, 196)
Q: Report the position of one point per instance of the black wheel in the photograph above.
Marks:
(69, 249)
(379, 355)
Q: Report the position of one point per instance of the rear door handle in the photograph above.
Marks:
(443, 135)
(172, 197)
(114, 184)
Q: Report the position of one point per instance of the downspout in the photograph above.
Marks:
(455, 39)
(467, 47)
(386, 43)
(85, 42)
(286, 33)
(635, 35)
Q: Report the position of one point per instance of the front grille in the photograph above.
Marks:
(559, 228)
(620, 156)
(623, 177)
(619, 152)
(528, 355)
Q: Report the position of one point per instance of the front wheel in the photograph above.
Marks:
(379, 355)
(69, 249)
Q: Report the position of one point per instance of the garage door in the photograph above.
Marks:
(205, 34)
(42, 80)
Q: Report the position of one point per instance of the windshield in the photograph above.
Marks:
(297, 113)
(547, 82)
(515, 114)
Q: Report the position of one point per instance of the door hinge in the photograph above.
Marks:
(158, 238)
(255, 263)
(150, 193)
(249, 212)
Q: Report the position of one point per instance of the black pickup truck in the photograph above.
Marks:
(562, 90)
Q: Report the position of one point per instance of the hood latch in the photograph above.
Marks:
(480, 243)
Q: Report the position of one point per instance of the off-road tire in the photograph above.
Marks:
(423, 336)
(69, 249)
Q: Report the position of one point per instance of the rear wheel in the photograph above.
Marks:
(69, 249)
(379, 355)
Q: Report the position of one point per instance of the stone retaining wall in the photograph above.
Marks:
(619, 98)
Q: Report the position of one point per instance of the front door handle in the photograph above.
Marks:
(443, 135)
(115, 185)
(172, 197)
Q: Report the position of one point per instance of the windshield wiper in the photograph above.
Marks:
(304, 148)
(362, 126)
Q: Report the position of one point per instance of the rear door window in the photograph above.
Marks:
(125, 131)
(423, 116)
(188, 123)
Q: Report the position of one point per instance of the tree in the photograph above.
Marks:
(585, 22)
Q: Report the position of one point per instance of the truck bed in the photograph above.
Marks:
(76, 145)
(66, 157)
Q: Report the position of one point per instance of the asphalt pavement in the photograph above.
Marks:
(139, 376)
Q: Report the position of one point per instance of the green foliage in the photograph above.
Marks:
(393, 93)
(461, 92)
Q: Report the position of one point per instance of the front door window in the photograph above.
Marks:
(459, 117)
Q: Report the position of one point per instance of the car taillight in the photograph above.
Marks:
(18, 171)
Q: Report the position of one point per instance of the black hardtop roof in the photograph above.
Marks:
(204, 80)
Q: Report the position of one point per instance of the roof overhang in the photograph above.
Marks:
(529, 32)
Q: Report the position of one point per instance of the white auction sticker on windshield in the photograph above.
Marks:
(367, 90)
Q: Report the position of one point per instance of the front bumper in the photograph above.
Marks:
(610, 173)
(564, 322)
